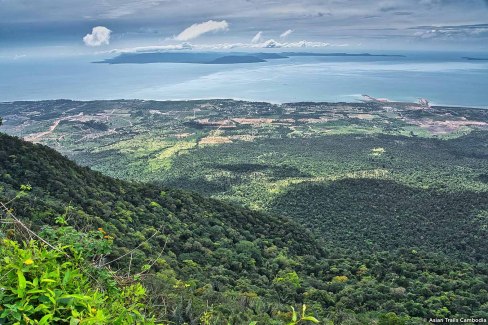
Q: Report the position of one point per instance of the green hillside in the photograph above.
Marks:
(218, 250)
(232, 264)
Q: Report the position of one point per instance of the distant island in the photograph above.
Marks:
(219, 58)
(233, 59)
(474, 59)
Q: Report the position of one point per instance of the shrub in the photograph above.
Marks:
(41, 285)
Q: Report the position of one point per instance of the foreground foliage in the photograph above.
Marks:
(41, 285)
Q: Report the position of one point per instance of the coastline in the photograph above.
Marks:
(389, 103)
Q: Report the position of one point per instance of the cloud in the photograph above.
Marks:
(451, 32)
(403, 13)
(257, 38)
(197, 30)
(269, 44)
(155, 48)
(286, 33)
(272, 44)
(375, 23)
(100, 35)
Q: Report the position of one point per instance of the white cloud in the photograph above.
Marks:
(257, 38)
(452, 32)
(269, 44)
(286, 33)
(197, 30)
(100, 35)
(154, 48)
(222, 46)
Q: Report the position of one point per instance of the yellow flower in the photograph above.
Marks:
(28, 261)
(93, 310)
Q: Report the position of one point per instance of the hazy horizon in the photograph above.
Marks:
(46, 49)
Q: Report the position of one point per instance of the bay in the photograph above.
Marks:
(443, 78)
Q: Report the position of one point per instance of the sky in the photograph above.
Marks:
(69, 27)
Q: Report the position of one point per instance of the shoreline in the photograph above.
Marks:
(433, 105)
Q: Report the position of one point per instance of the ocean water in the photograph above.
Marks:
(445, 79)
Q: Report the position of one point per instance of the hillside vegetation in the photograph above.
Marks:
(205, 258)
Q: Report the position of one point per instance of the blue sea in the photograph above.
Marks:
(443, 78)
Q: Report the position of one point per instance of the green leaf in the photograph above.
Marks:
(26, 188)
(294, 315)
(22, 284)
(51, 299)
(44, 320)
(76, 296)
(41, 307)
(74, 321)
(30, 292)
(66, 278)
(311, 319)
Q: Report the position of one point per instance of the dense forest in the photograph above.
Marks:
(204, 261)
(419, 192)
